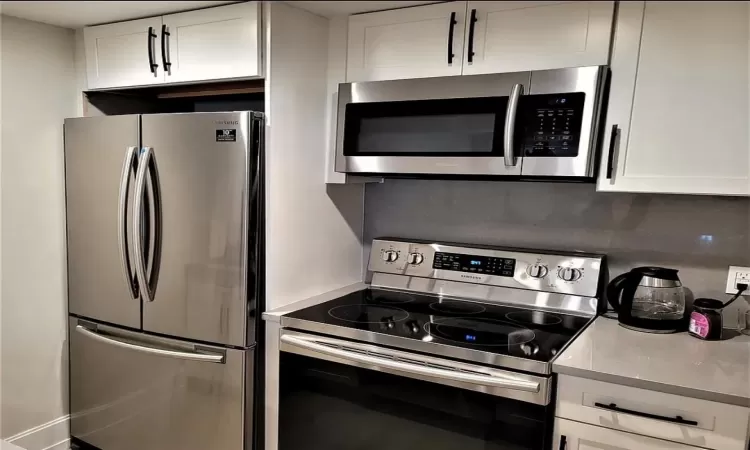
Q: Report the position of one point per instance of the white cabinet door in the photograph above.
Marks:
(679, 99)
(512, 36)
(212, 44)
(406, 43)
(570, 435)
(117, 55)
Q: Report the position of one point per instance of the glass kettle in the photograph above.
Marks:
(649, 299)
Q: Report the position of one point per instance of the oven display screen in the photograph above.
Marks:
(485, 265)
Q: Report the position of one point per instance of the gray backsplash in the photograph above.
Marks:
(698, 235)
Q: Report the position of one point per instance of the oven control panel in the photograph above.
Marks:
(552, 124)
(560, 272)
(490, 265)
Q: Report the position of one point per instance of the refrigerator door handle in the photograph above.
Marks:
(156, 235)
(128, 166)
(132, 344)
(140, 190)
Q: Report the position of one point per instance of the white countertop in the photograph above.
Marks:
(275, 314)
(672, 363)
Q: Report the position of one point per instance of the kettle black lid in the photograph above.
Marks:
(657, 272)
(710, 303)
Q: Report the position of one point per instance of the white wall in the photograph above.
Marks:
(314, 230)
(38, 91)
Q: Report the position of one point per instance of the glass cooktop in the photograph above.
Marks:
(524, 333)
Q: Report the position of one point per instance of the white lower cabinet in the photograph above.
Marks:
(626, 417)
(571, 435)
(678, 113)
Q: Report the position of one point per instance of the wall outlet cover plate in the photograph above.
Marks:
(736, 275)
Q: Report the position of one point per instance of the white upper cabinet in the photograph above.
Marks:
(123, 54)
(204, 45)
(216, 43)
(679, 99)
(570, 435)
(406, 43)
(513, 36)
(487, 37)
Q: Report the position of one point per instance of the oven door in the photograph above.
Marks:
(434, 126)
(341, 395)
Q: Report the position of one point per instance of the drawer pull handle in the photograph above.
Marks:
(676, 419)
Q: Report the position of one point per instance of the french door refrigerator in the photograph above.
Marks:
(164, 234)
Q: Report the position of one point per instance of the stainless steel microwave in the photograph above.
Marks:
(523, 124)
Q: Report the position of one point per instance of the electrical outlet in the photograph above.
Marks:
(737, 275)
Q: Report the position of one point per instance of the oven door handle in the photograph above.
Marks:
(506, 382)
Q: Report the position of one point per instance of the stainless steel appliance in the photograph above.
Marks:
(450, 347)
(525, 124)
(649, 299)
(164, 234)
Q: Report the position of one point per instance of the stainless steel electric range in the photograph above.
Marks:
(450, 347)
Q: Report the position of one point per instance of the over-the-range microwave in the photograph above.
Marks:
(523, 124)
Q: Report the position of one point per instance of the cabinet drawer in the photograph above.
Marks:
(571, 435)
(690, 421)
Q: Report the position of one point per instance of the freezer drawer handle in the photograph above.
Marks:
(192, 356)
(408, 367)
(127, 167)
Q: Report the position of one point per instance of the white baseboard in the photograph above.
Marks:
(53, 435)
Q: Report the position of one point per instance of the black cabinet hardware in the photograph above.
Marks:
(611, 156)
(164, 36)
(676, 419)
(563, 443)
(152, 66)
(450, 37)
(472, 21)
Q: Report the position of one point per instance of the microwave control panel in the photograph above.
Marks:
(551, 124)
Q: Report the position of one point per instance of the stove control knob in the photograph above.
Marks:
(390, 255)
(537, 271)
(412, 327)
(415, 258)
(569, 274)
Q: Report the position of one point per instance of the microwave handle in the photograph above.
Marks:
(510, 125)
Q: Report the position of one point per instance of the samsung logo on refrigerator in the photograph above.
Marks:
(227, 122)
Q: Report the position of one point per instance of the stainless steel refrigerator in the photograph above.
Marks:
(165, 245)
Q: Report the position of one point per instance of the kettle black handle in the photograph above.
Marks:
(616, 286)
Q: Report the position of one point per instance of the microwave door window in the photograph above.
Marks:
(450, 133)
(454, 127)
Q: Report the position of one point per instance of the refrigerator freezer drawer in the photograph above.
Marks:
(129, 390)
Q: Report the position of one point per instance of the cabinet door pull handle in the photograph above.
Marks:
(165, 34)
(676, 419)
(450, 37)
(150, 43)
(611, 155)
(563, 443)
(472, 21)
